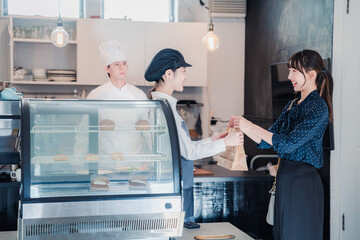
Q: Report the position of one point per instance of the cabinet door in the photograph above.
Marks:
(4, 51)
(185, 37)
(93, 32)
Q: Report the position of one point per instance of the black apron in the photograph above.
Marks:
(187, 176)
(299, 202)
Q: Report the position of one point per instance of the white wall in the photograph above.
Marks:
(224, 95)
(226, 71)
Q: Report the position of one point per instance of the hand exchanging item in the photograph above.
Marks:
(242, 123)
(231, 122)
(234, 139)
(218, 136)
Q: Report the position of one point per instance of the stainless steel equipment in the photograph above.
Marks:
(9, 163)
(99, 170)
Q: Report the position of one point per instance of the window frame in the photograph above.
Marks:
(4, 9)
(171, 11)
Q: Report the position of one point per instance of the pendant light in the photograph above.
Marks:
(211, 41)
(59, 37)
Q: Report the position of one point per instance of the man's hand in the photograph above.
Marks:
(219, 136)
(234, 139)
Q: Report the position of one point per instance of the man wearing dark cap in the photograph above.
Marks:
(167, 69)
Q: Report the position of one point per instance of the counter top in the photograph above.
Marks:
(8, 235)
(225, 175)
(214, 229)
(188, 234)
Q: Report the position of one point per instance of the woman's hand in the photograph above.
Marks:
(251, 130)
(234, 139)
(243, 124)
(218, 136)
(272, 169)
(231, 122)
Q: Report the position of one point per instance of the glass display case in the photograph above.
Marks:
(87, 160)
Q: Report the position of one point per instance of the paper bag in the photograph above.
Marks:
(233, 158)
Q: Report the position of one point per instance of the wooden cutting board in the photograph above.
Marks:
(200, 171)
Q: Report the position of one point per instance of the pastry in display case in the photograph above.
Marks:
(86, 161)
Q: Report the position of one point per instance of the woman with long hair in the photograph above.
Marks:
(297, 137)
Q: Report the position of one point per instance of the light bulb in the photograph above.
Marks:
(59, 37)
(211, 41)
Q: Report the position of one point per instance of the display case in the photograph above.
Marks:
(104, 169)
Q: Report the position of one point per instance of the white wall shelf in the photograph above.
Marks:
(30, 46)
(51, 83)
(31, 40)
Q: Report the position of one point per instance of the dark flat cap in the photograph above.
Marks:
(165, 59)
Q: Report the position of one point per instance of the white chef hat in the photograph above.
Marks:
(111, 51)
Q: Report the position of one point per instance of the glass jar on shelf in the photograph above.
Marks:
(28, 33)
(22, 33)
(17, 32)
(35, 34)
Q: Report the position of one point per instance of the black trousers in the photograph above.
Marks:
(299, 202)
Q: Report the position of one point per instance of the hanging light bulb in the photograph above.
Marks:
(59, 37)
(211, 41)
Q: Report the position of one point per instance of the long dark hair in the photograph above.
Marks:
(307, 60)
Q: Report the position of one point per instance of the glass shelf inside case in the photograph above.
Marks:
(87, 148)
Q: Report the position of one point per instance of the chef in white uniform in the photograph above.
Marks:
(116, 141)
(167, 69)
(116, 66)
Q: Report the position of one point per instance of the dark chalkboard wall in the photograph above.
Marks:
(276, 29)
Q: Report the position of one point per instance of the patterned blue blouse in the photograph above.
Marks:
(298, 132)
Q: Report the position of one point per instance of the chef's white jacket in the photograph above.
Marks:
(191, 150)
(110, 91)
(116, 141)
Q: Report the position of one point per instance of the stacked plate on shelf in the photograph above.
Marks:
(62, 75)
(39, 74)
